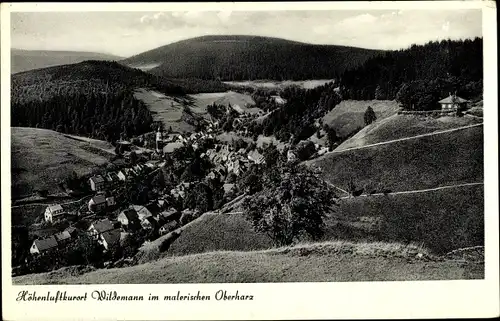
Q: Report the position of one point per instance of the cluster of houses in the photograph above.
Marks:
(113, 178)
(109, 233)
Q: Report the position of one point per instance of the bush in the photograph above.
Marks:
(305, 149)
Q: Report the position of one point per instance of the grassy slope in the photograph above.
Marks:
(451, 219)
(425, 162)
(41, 157)
(168, 109)
(219, 232)
(400, 126)
(339, 261)
(347, 116)
(23, 60)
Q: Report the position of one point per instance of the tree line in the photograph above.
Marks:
(107, 116)
(418, 77)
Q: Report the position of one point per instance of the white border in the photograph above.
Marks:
(423, 299)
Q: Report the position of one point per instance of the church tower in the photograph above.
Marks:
(159, 140)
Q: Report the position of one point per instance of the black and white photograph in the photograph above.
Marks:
(246, 146)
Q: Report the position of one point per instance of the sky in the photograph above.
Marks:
(128, 33)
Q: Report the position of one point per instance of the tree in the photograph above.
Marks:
(271, 155)
(291, 207)
(369, 116)
(331, 135)
(133, 158)
(305, 149)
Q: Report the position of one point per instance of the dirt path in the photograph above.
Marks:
(419, 190)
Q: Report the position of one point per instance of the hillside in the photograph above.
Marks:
(24, 60)
(40, 158)
(425, 162)
(340, 261)
(401, 126)
(347, 117)
(249, 57)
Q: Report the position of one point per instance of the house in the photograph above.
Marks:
(110, 201)
(99, 227)
(278, 100)
(256, 157)
(142, 211)
(112, 179)
(228, 188)
(54, 213)
(168, 227)
(149, 223)
(72, 231)
(63, 238)
(96, 183)
(125, 174)
(129, 219)
(43, 245)
(290, 155)
(170, 215)
(110, 239)
(97, 203)
(453, 102)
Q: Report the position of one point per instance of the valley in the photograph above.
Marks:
(172, 167)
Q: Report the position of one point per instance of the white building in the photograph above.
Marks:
(54, 212)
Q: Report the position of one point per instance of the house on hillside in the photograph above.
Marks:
(110, 239)
(96, 183)
(129, 219)
(453, 102)
(144, 211)
(149, 223)
(99, 227)
(43, 245)
(63, 238)
(112, 179)
(256, 157)
(168, 227)
(54, 213)
(97, 203)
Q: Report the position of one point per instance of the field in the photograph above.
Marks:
(240, 101)
(41, 158)
(347, 117)
(306, 84)
(339, 262)
(400, 126)
(168, 109)
(425, 162)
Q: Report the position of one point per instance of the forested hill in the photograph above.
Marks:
(420, 75)
(91, 98)
(248, 58)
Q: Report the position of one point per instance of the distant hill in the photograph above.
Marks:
(249, 57)
(23, 60)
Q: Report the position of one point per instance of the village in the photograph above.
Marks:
(111, 219)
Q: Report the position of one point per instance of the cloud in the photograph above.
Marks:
(182, 19)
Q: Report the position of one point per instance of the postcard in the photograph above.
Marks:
(249, 160)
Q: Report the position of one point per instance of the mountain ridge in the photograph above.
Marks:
(239, 57)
